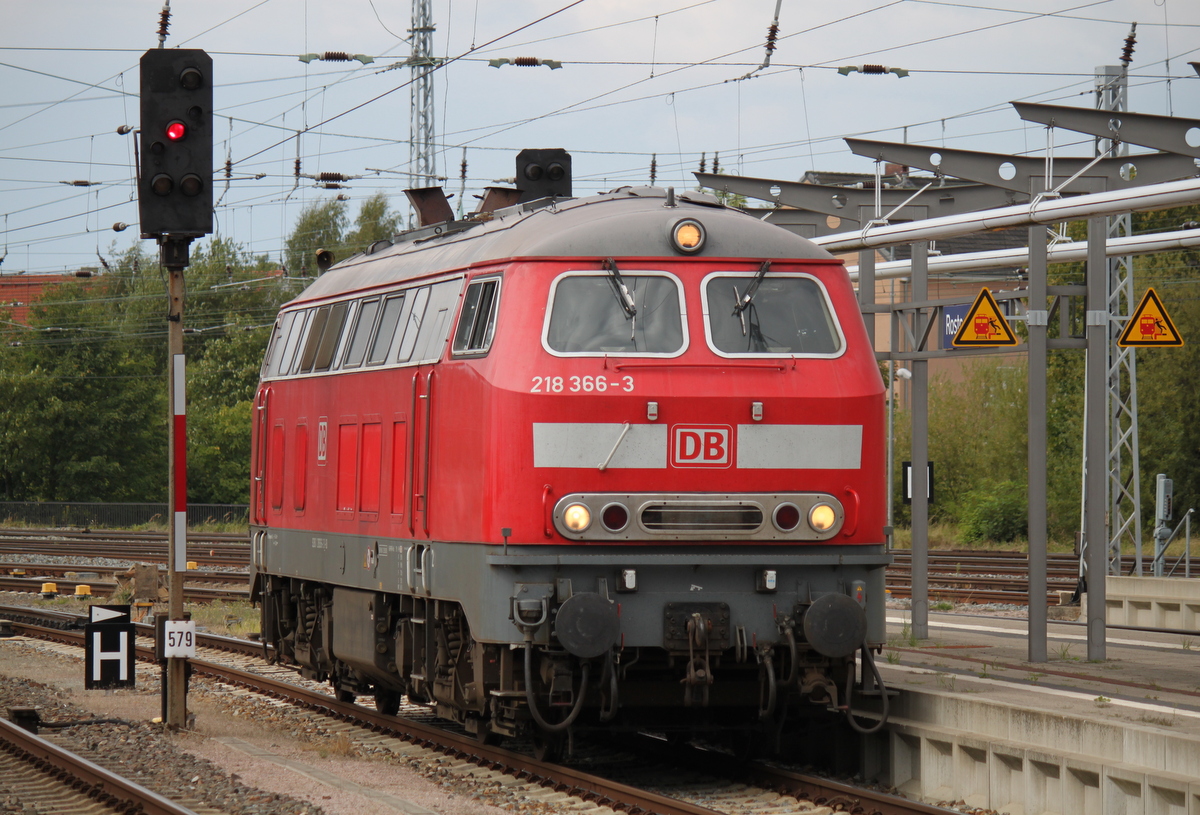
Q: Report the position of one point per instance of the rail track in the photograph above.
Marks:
(692, 781)
(216, 550)
(982, 577)
(47, 778)
(955, 576)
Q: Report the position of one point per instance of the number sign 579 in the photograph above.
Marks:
(179, 639)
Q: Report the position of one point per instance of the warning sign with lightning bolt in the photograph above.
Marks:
(984, 326)
(1150, 325)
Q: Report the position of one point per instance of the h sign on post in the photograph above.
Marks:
(109, 649)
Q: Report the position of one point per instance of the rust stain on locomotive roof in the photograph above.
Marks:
(631, 222)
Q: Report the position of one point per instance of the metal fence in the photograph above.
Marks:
(56, 514)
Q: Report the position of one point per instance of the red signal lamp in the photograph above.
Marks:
(176, 131)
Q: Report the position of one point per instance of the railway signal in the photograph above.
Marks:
(175, 204)
(544, 174)
(175, 195)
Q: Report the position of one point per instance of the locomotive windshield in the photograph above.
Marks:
(788, 314)
(587, 318)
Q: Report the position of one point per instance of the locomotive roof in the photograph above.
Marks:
(629, 222)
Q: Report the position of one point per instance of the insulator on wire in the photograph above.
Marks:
(332, 186)
(296, 170)
(653, 168)
(332, 177)
(525, 62)
(462, 169)
(1130, 42)
(846, 70)
(772, 34)
(336, 56)
(716, 163)
(164, 21)
(703, 161)
(229, 168)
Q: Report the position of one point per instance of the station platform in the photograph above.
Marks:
(975, 722)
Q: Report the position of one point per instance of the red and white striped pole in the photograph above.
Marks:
(175, 686)
(179, 463)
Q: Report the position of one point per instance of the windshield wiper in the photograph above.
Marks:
(619, 288)
(745, 299)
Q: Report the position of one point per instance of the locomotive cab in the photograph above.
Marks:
(603, 462)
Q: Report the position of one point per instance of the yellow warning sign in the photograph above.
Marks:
(1150, 325)
(984, 326)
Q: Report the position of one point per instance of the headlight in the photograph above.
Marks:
(577, 517)
(688, 236)
(822, 517)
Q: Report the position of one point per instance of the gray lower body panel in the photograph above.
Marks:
(486, 579)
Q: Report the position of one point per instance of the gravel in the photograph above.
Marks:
(142, 753)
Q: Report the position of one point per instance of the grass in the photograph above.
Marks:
(946, 536)
(906, 638)
(1064, 652)
(235, 618)
(157, 524)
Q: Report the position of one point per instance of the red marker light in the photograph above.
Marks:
(176, 131)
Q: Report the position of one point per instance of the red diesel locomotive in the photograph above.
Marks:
(614, 461)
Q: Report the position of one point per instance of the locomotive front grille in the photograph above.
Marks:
(610, 516)
(684, 517)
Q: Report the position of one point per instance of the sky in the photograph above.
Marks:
(668, 81)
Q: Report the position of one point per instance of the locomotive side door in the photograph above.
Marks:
(262, 425)
(429, 321)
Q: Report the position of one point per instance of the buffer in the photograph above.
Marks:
(984, 326)
(1150, 326)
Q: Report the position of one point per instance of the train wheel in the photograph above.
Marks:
(549, 746)
(387, 701)
(489, 738)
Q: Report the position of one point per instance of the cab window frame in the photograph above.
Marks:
(830, 313)
(627, 274)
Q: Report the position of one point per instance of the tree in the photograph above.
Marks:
(321, 225)
(375, 222)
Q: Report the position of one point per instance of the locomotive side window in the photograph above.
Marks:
(477, 323)
(413, 318)
(283, 366)
(361, 333)
(589, 315)
(431, 338)
(277, 344)
(387, 327)
(312, 339)
(787, 314)
(330, 336)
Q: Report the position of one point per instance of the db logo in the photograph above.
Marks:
(700, 446)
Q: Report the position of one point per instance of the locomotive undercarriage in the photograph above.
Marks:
(393, 645)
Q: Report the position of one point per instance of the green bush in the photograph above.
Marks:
(995, 512)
